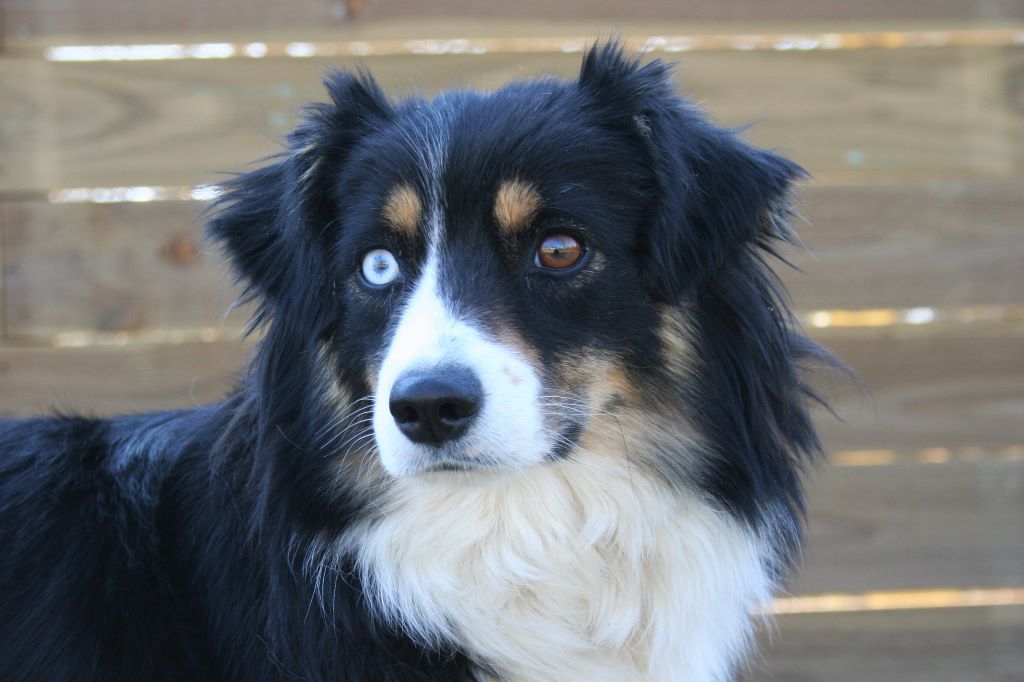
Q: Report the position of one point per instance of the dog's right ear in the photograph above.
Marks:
(267, 220)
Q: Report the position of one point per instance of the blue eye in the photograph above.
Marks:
(380, 268)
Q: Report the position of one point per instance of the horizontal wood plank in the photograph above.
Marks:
(105, 380)
(914, 526)
(923, 112)
(951, 389)
(950, 645)
(42, 17)
(108, 267)
(938, 243)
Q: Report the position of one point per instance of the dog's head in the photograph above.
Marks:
(481, 281)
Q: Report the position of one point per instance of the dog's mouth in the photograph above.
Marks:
(452, 463)
(458, 469)
(454, 460)
(451, 466)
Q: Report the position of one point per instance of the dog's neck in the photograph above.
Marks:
(582, 569)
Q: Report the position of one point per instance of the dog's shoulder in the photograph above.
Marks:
(81, 571)
(68, 463)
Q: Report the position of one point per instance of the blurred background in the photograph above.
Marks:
(115, 114)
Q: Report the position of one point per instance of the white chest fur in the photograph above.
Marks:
(581, 570)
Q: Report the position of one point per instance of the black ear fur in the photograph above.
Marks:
(266, 219)
(718, 205)
(714, 194)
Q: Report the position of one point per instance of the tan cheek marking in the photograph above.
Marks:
(515, 205)
(402, 209)
(613, 383)
(508, 336)
(361, 467)
(335, 394)
(598, 379)
(372, 372)
(675, 337)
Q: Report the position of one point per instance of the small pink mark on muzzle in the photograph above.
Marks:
(514, 378)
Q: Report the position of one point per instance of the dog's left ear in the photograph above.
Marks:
(714, 194)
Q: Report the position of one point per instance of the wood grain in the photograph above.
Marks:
(929, 112)
(914, 526)
(954, 645)
(111, 267)
(929, 389)
(34, 17)
(110, 380)
(935, 243)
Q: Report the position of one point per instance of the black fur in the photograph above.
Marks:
(722, 206)
(171, 546)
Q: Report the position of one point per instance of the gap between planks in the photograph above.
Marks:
(668, 44)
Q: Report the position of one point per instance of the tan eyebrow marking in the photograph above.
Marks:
(516, 204)
(402, 209)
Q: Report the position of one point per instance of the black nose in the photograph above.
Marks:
(437, 405)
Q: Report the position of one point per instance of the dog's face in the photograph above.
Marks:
(492, 273)
(482, 277)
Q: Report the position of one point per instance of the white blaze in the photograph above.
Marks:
(508, 431)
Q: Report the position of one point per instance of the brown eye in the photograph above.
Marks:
(559, 252)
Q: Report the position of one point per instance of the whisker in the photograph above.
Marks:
(356, 418)
(360, 428)
(346, 413)
(352, 444)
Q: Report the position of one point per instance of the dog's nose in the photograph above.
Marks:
(437, 405)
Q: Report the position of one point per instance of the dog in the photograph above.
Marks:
(528, 403)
